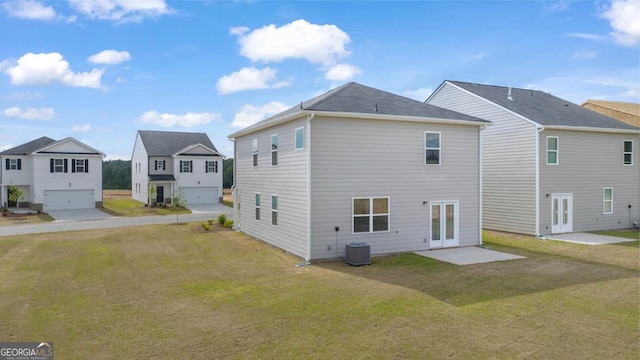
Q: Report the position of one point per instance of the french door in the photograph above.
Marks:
(561, 213)
(444, 224)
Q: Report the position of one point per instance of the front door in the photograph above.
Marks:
(444, 224)
(160, 194)
(561, 213)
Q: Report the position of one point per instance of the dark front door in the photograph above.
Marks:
(160, 194)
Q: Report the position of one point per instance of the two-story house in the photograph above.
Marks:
(549, 166)
(52, 175)
(357, 164)
(174, 164)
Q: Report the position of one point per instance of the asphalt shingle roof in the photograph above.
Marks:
(542, 107)
(29, 147)
(165, 143)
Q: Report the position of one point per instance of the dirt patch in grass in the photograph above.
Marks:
(169, 292)
(9, 219)
(116, 194)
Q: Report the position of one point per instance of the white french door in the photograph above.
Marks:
(444, 224)
(561, 213)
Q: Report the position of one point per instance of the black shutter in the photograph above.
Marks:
(7, 164)
(190, 166)
(86, 165)
(66, 163)
(50, 165)
(206, 166)
(155, 165)
(164, 165)
(180, 165)
(19, 164)
(73, 165)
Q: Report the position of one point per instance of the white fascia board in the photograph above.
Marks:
(213, 152)
(70, 139)
(268, 124)
(592, 129)
(367, 116)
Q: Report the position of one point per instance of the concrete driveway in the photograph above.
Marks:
(78, 215)
(208, 208)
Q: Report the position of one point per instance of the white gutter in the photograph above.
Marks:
(307, 260)
(480, 182)
(538, 131)
(234, 191)
(592, 129)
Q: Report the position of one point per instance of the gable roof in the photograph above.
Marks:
(542, 108)
(354, 98)
(28, 148)
(168, 143)
(623, 111)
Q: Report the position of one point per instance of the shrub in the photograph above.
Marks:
(206, 226)
(210, 221)
(228, 224)
(222, 218)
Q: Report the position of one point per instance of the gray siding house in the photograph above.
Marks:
(549, 166)
(357, 164)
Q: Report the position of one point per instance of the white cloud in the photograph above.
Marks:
(30, 113)
(249, 78)
(420, 94)
(121, 10)
(318, 44)
(624, 18)
(250, 114)
(592, 37)
(46, 69)
(584, 54)
(109, 57)
(81, 128)
(342, 72)
(24, 96)
(184, 120)
(28, 9)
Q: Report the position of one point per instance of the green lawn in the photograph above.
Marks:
(130, 207)
(167, 291)
(625, 233)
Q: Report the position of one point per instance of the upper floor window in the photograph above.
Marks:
(627, 152)
(607, 200)
(254, 144)
(58, 165)
(13, 164)
(80, 165)
(432, 148)
(186, 166)
(300, 138)
(552, 150)
(211, 166)
(370, 215)
(160, 165)
(274, 149)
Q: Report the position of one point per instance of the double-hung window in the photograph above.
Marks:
(607, 200)
(211, 166)
(80, 165)
(58, 165)
(274, 149)
(257, 206)
(370, 215)
(254, 145)
(160, 165)
(13, 164)
(552, 150)
(274, 210)
(186, 166)
(432, 148)
(300, 138)
(627, 152)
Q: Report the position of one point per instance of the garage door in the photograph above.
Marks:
(68, 199)
(200, 195)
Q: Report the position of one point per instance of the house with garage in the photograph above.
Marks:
(172, 164)
(357, 164)
(52, 174)
(549, 166)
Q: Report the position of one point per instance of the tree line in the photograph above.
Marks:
(116, 174)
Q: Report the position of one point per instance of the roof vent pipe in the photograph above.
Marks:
(509, 95)
(376, 107)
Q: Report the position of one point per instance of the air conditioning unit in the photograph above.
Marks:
(358, 253)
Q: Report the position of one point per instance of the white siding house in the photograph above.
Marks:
(357, 164)
(176, 164)
(549, 166)
(53, 175)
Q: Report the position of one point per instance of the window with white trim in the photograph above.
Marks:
(257, 206)
(431, 148)
(254, 144)
(627, 152)
(300, 138)
(80, 165)
(13, 164)
(186, 166)
(160, 165)
(211, 167)
(274, 210)
(552, 150)
(370, 215)
(274, 149)
(58, 165)
(607, 200)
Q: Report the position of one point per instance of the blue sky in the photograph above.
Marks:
(99, 70)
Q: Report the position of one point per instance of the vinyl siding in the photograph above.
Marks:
(588, 162)
(287, 180)
(139, 175)
(365, 158)
(509, 171)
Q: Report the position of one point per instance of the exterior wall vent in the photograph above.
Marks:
(358, 253)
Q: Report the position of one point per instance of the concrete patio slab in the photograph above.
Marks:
(468, 255)
(587, 238)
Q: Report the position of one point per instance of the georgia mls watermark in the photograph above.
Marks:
(26, 351)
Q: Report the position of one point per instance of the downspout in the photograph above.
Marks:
(307, 260)
(538, 131)
(234, 191)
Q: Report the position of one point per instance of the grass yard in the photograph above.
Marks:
(120, 203)
(169, 291)
(19, 219)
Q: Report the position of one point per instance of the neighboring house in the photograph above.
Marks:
(623, 111)
(358, 164)
(175, 164)
(549, 166)
(53, 175)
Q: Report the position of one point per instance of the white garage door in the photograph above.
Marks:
(68, 199)
(200, 195)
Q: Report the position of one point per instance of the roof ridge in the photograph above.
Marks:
(332, 93)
